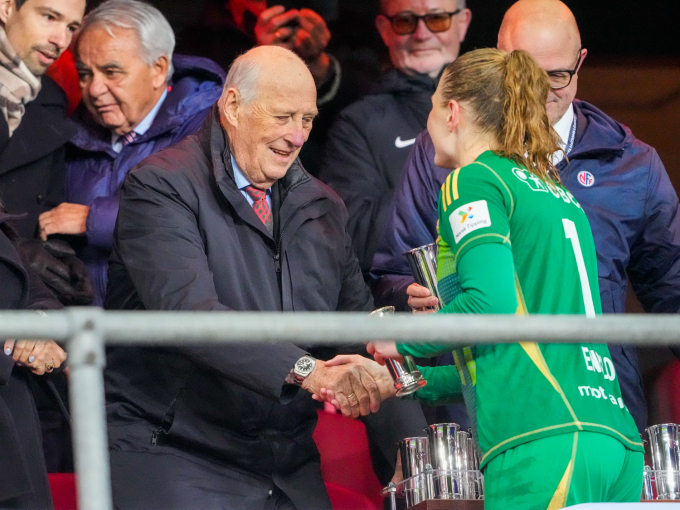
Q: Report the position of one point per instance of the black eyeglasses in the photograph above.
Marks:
(561, 78)
(406, 23)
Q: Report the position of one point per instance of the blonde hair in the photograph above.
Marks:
(506, 93)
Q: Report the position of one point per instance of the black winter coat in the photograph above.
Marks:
(32, 168)
(23, 475)
(187, 239)
(366, 151)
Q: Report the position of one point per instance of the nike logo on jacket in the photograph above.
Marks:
(400, 144)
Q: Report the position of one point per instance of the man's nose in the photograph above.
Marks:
(297, 134)
(422, 32)
(96, 87)
(60, 38)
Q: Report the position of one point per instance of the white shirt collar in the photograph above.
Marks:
(563, 128)
(143, 126)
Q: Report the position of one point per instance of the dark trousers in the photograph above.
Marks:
(163, 481)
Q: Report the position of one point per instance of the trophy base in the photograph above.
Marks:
(409, 383)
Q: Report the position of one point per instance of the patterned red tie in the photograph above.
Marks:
(127, 138)
(261, 206)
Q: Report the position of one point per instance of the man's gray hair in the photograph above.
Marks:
(243, 76)
(155, 34)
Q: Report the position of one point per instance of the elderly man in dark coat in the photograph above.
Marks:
(226, 220)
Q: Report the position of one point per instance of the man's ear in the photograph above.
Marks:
(453, 115)
(384, 28)
(7, 8)
(160, 70)
(231, 106)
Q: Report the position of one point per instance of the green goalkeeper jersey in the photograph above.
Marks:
(516, 393)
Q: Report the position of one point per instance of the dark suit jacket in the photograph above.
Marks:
(32, 166)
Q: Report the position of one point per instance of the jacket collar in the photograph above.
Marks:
(596, 132)
(395, 81)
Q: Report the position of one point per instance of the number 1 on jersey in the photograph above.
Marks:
(572, 235)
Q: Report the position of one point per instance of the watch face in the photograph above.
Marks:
(304, 365)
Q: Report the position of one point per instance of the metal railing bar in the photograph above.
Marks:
(156, 328)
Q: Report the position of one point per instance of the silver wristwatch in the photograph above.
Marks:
(303, 367)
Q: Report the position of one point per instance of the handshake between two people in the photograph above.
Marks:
(357, 385)
(352, 383)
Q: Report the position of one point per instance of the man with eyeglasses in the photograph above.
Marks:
(370, 140)
(619, 181)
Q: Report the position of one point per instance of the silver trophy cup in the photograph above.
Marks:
(665, 445)
(407, 377)
(443, 440)
(415, 460)
(423, 263)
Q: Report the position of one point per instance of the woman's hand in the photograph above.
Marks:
(383, 350)
(39, 356)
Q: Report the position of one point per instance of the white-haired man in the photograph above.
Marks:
(137, 99)
(228, 219)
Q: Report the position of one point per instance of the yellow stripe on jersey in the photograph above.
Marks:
(559, 499)
(471, 364)
(506, 239)
(454, 184)
(521, 304)
(459, 366)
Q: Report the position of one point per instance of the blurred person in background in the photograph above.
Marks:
(369, 141)
(137, 98)
(619, 180)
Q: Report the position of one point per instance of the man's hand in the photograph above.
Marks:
(355, 390)
(39, 356)
(420, 299)
(379, 374)
(64, 219)
(303, 31)
(277, 27)
(384, 350)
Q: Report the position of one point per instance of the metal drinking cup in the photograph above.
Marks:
(415, 460)
(423, 264)
(407, 377)
(665, 445)
(443, 440)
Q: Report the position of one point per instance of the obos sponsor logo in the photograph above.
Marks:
(586, 178)
(469, 218)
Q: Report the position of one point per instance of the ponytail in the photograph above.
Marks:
(506, 93)
(526, 135)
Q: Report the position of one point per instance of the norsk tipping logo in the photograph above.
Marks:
(586, 178)
(466, 214)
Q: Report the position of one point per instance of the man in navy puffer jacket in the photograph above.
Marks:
(619, 181)
(137, 100)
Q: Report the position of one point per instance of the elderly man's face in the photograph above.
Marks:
(271, 130)
(41, 30)
(553, 51)
(118, 87)
(423, 51)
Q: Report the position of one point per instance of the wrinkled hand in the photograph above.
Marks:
(277, 27)
(36, 355)
(355, 390)
(383, 350)
(420, 300)
(379, 374)
(64, 219)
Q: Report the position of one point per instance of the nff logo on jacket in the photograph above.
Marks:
(468, 218)
(586, 178)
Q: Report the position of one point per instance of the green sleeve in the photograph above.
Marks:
(487, 277)
(443, 386)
